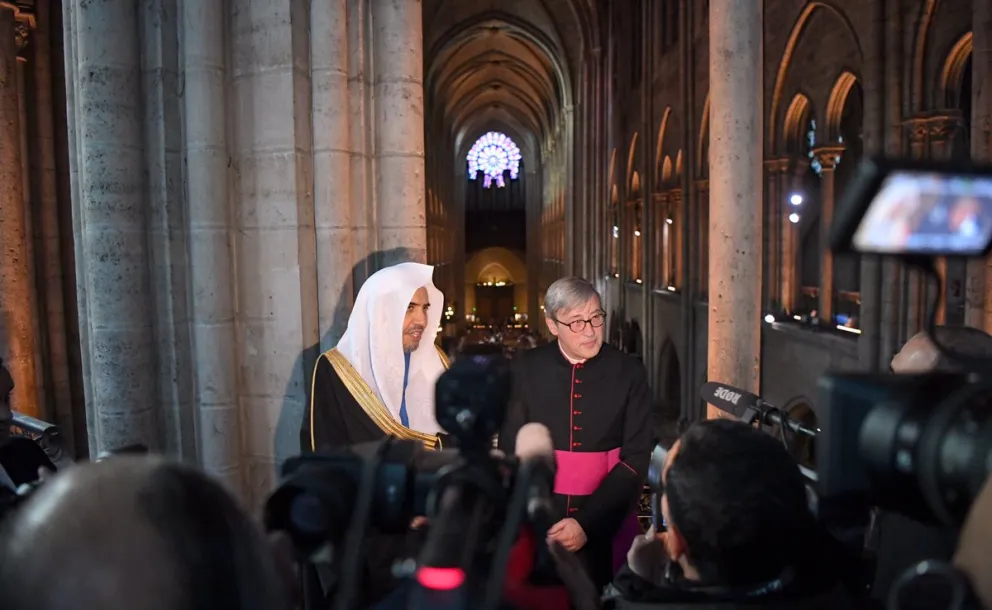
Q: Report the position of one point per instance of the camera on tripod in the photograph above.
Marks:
(476, 500)
(919, 444)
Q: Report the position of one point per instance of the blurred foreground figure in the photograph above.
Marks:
(739, 533)
(898, 541)
(138, 533)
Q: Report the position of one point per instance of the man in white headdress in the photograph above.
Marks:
(379, 379)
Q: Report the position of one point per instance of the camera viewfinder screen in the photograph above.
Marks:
(928, 214)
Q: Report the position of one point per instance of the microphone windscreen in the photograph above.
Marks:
(534, 442)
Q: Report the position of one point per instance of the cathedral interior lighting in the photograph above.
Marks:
(493, 154)
(794, 218)
(796, 199)
(769, 318)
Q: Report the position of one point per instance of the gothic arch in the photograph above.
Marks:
(494, 270)
(953, 71)
(927, 12)
(669, 379)
(666, 170)
(702, 151)
(631, 157)
(635, 185)
(660, 147)
(678, 164)
(613, 169)
(790, 49)
(835, 104)
(792, 123)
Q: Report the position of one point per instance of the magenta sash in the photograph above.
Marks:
(579, 474)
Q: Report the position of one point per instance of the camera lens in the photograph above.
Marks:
(314, 507)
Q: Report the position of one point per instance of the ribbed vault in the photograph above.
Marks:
(509, 68)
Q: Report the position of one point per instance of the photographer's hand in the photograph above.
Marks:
(646, 557)
(569, 534)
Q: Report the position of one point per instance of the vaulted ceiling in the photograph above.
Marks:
(509, 65)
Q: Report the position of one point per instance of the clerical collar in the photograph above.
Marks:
(566, 356)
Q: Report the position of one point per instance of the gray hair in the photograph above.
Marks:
(568, 293)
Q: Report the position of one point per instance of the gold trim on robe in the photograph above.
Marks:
(370, 403)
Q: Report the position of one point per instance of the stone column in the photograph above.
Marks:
(789, 280)
(773, 244)
(734, 336)
(829, 156)
(110, 215)
(332, 159)
(274, 221)
(25, 98)
(17, 327)
(398, 89)
(703, 236)
(45, 186)
(210, 242)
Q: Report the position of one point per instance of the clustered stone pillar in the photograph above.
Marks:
(209, 242)
(734, 335)
(398, 88)
(829, 157)
(110, 221)
(219, 222)
(17, 294)
(45, 187)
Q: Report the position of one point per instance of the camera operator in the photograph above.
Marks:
(140, 533)
(898, 541)
(739, 531)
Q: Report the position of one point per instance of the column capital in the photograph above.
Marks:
(777, 165)
(22, 34)
(703, 184)
(829, 156)
(939, 126)
(675, 196)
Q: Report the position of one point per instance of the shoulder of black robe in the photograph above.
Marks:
(617, 495)
(334, 418)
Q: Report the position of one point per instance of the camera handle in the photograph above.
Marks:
(361, 516)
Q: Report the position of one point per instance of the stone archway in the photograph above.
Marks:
(802, 448)
(668, 378)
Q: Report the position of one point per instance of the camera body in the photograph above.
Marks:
(916, 444)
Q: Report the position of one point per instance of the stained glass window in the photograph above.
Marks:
(493, 154)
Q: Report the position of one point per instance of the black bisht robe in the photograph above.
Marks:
(343, 411)
(599, 415)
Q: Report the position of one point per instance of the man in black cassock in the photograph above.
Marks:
(379, 381)
(595, 401)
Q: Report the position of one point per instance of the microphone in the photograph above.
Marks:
(536, 452)
(749, 408)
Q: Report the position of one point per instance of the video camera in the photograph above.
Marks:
(915, 444)
(476, 500)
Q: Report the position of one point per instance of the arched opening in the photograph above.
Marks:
(803, 448)
(803, 203)
(958, 96)
(847, 267)
(669, 379)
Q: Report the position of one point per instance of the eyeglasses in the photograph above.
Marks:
(577, 326)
